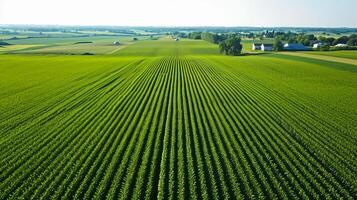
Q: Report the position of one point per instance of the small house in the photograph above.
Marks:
(257, 46)
(295, 47)
(116, 43)
(266, 47)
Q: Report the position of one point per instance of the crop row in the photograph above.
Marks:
(172, 128)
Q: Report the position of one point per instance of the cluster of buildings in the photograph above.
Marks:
(287, 46)
(319, 45)
(291, 46)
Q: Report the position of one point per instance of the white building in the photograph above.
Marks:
(341, 45)
(257, 46)
(318, 45)
(266, 47)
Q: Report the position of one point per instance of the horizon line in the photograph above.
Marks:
(179, 26)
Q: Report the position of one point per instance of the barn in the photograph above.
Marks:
(257, 46)
(266, 47)
(262, 47)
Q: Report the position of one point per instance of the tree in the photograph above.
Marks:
(223, 48)
(330, 40)
(278, 45)
(231, 46)
(352, 42)
(341, 40)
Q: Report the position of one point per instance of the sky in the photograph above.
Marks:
(258, 13)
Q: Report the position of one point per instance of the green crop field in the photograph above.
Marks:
(342, 54)
(177, 120)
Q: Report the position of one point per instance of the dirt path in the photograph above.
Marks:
(322, 57)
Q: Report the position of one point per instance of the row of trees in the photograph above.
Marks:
(308, 39)
(229, 44)
(349, 40)
(305, 39)
(213, 37)
(195, 35)
(289, 37)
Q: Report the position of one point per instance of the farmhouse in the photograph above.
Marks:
(295, 47)
(257, 46)
(318, 45)
(267, 47)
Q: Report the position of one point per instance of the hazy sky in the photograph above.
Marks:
(322, 13)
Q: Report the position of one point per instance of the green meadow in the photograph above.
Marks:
(165, 119)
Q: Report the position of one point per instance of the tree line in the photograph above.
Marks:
(310, 39)
(229, 44)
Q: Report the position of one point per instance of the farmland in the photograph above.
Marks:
(67, 45)
(341, 54)
(176, 120)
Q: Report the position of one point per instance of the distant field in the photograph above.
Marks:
(68, 45)
(3, 37)
(95, 48)
(176, 120)
(328, 57)
(64, 40)
(167, 47)
(342, 54)
(9, 48)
